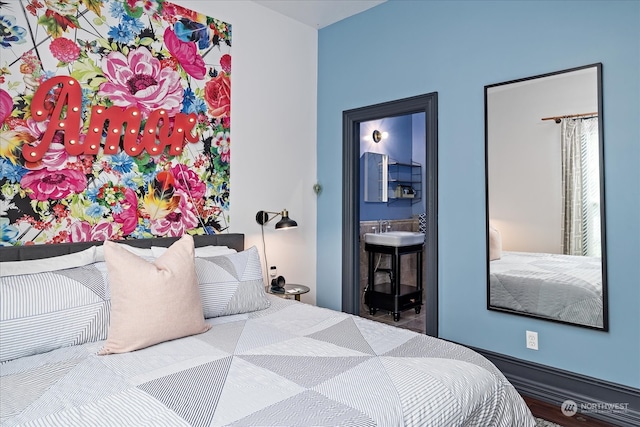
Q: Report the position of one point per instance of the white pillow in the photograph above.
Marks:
(78, 259)
(141, 252)
(201, 252)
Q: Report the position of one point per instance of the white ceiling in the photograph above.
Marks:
(319, 13)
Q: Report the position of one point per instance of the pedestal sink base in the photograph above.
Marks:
(393, 296)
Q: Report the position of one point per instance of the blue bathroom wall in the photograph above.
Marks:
(399, 147)
(455, 48)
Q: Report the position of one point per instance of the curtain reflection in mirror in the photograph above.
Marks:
(580, 187)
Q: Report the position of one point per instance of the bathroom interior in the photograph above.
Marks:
(392, 173)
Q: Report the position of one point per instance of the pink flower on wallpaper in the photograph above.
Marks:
(188, 181)
(222, 141)
(64, 50)
(104, 230)
(171, 10)
(177, 223)
(150, 7)
(186, 53)
(56, 156)
(217, 94)
(6, 105)
(139, 80)
(225, 63)
(82, 231)
(129, 215)
(53, 184)
(170, 13)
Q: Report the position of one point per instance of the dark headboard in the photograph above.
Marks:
(20, 253)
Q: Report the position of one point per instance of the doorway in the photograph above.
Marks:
(352, 120)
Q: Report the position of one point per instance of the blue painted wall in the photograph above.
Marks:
(456, 48)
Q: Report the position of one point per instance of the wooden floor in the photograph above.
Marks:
(552, 413)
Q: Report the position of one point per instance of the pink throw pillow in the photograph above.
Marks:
(152, 302)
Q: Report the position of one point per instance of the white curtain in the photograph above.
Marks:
(571, 187)
(580, 187)
(590, 187)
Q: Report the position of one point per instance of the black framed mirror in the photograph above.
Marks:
(544, 152)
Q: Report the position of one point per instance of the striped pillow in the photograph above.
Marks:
(41, 312)
(231, 284)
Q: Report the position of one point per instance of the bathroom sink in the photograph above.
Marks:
(395, 238)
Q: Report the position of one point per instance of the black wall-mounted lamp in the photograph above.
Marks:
(262, 217)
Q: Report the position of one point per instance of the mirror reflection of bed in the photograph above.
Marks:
(545, 233)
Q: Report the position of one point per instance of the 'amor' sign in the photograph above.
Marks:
(123, 124)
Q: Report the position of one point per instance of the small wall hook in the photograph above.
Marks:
(317, 188)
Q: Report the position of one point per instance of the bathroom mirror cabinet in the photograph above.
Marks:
(376, 167)
(544, 152)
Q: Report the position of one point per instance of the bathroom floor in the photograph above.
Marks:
(408, 319)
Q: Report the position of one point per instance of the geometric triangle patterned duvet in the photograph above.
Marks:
(291, 364)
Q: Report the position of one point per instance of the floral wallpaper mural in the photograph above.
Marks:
(115, 121)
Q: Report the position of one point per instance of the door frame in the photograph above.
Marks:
(351, 120)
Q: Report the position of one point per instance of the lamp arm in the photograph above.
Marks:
(262, 217)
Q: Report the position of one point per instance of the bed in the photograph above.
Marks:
(560, 287)
(253, 359)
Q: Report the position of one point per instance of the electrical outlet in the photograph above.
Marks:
(532, 340)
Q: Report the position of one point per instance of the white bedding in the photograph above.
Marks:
(290, 365)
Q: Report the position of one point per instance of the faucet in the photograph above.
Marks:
(383, 225)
